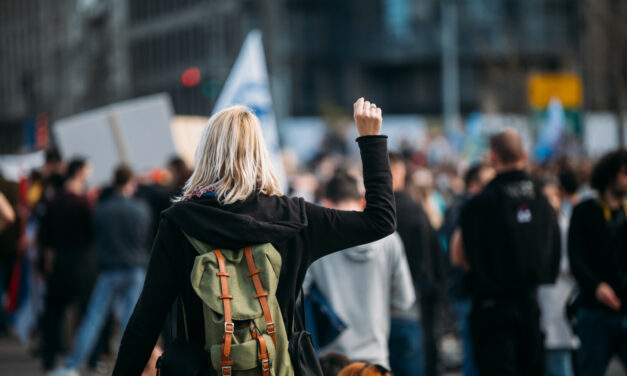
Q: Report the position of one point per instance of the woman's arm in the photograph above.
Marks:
(332, 230)
(160, 290)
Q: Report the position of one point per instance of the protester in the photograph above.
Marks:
(52, 172)
(180, 174)
(560, 342)
(475, 179)
(510, 244)
(569, 190)
(66, 235)
(597, 245)
(233, 200)
(158, 199)
(426, 263)
(364, 285)
(422, 190)
(120, 226)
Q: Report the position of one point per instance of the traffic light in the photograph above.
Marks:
(190, 77)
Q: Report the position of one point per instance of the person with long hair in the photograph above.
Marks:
(597, 250)
(232, 200)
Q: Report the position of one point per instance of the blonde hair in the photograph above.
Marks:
(232, 159)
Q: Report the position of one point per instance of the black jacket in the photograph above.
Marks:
(67, 223)
(511, 238)
(424, 254)
(597, 253)
(300, 231)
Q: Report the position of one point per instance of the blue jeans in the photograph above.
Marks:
(462, 309)
(114, 288)
(602, 334)
(559, 363)
(406, 357)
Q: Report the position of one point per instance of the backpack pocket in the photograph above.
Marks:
(244, 356)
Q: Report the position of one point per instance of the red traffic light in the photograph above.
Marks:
(190, 77)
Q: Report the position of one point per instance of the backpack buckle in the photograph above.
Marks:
(265, 364)
(229, 327)
(226, 370)
(270, 328)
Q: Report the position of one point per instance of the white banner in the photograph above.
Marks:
(135, 132)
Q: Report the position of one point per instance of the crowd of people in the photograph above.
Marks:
(524, 264)
(87, 248)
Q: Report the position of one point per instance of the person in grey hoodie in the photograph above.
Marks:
(559, 339)
(364, 285)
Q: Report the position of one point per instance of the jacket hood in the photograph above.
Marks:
(361, 253)
(258, 219)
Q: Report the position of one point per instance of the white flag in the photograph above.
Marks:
(248, 85)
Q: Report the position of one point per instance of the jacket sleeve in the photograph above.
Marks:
(333, 230)
(586, 278)
(160, 290)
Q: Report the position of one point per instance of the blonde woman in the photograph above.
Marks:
(233, 199)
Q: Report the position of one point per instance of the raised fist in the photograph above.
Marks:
(367, 117)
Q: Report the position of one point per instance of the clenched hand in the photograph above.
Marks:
(367, 117)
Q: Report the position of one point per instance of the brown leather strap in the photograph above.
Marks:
(264, 356)
(261, 295)
(229, 327)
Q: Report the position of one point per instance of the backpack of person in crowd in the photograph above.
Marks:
(244, 330)
(525, 224)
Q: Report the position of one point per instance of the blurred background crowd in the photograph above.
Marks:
(74, 75)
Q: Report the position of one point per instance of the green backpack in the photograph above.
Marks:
(244, 330)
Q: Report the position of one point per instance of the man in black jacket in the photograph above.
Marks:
(510, 243)
(597, 246)
(120, 226)
(65, 235)
(425, 258)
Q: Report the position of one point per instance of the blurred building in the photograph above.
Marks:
(391, 50)
(68, 56)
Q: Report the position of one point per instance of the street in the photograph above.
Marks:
(16, 361)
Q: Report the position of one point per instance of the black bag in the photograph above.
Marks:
(182, 357)
(302, 353)
(303, 356)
